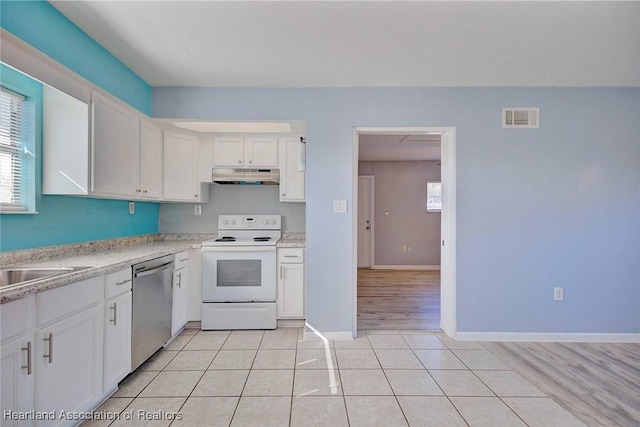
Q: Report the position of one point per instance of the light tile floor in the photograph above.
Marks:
(274, 378)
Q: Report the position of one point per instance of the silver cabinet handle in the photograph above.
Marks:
(123, 282)
(240, 161)
(50, 355)
(179, 284)
(28, 365)
(291, 256)
(281, 274)
(184, 259)
(144, 191)
(115, 314)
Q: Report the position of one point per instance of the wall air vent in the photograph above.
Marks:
(521, 118)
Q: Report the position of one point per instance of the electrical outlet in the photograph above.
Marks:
(409, 248)
(198, 209)
(132, 208)
(387, 212)
(404, 248)
(558, 294)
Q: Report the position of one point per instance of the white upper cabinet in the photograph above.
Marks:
(150, 183)
(228, 151)
(65, 135)
(292, 179)
(245, 152)
(261, 152)
(115, 152)
(180, 170)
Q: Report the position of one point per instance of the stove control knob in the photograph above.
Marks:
(233, 222)
(273, 222)
(226, 222)
(266, 221)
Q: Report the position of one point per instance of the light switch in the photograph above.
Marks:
(339, 206)
(387, 212)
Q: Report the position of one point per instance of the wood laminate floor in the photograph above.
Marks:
(399, 299)
(597, 382)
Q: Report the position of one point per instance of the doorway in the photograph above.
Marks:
(442, 281)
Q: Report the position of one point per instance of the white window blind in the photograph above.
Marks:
(11, 150)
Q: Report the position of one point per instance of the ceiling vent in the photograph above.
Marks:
(521, 118)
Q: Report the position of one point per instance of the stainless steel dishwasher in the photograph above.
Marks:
(152, 303)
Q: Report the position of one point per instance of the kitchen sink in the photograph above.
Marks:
(16, 276)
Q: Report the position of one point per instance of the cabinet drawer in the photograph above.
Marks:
(65, 300)
(290, 255)
(181, 260)
(117, 283)
(16, 316)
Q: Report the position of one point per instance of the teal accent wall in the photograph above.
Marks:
(62, 219)
(43, 27)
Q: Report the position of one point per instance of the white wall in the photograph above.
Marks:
(400, 188)
(555, 206)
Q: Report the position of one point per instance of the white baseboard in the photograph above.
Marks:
(546, 337)
(290, 323)
(405, 267)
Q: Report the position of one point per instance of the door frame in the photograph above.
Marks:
(448, 313)
(372, 192)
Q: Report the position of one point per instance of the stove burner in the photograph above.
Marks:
(226, 239)
(261, 239)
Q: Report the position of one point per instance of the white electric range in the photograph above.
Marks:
(239, 273)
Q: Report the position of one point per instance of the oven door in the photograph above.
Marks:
(239, 274)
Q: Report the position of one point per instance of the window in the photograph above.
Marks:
(434, 196)
(12, 149)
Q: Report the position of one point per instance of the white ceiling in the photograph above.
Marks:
(364, 43)
(398, 147)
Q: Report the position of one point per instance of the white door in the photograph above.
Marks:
(115, 148)
(261, 152)
(17, 379)
(179, 310)
(448, 235)
(291, 179)
(180, 171)
(291, 291)
(150, 185)
(365, 221)
(117, 340)
(228, 151)
(68, 364)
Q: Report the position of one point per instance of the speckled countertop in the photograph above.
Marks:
(293, 240)
(101, 262)
(106, 256)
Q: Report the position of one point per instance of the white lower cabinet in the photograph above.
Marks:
(290, 298)
(180, 292)
(68, 349)
(117, 328)
(16, 360)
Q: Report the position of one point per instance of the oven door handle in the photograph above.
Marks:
(239, 249)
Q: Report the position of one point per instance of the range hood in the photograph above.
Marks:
(246, 176)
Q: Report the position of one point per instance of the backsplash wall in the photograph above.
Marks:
(229, 200)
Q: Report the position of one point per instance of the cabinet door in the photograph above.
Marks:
(115, 133)
(261, 152)
(290, 301)
(65, 155)
(16, 381)
(117, 340)
(180, 170)
(292, 180)
(70, 376)
(228, 151)
(179, 310)
(150, 184)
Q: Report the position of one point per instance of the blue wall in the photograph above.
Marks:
(70, 219)
(536, 208)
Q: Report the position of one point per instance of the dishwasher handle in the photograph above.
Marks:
(143, 273)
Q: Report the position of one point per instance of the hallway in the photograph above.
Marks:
(399, 299)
